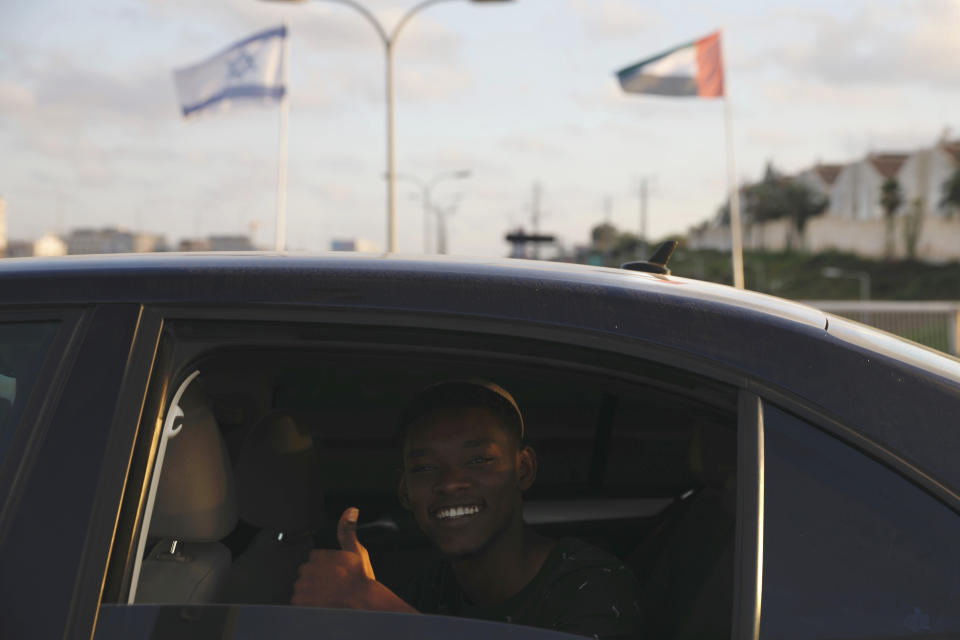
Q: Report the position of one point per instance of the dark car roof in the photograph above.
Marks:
(267, 277)
(877, 386)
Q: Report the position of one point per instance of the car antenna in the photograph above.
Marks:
(657, 262)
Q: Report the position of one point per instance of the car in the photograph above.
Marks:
(177, 432)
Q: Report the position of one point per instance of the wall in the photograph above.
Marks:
(939, 239)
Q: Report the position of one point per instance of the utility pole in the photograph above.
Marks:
(646, 182)
(643, 216)
(535, 217)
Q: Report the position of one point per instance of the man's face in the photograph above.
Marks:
(463, 478)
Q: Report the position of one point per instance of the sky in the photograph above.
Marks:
(517, 93)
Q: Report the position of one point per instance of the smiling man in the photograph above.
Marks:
(465, 468)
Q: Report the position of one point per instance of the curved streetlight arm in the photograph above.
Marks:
(414, 10)
(368, 15)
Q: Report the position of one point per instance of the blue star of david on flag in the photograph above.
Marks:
(250, 70)
(241, 64)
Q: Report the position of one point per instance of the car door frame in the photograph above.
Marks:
(58, 533)
(748, 535)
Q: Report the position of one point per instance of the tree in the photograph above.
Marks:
(891, 197)
(803, 203)
(603, 237)
(777, 196)
(912, 226)
(950, 200)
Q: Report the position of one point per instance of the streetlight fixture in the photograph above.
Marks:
(425, 189)
(389, 40)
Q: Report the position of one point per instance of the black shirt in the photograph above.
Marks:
(580, 589)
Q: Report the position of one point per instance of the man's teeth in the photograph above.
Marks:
(456, 512)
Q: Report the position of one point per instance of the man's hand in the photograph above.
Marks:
(344, 579)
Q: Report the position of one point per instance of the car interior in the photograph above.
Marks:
(275, 442)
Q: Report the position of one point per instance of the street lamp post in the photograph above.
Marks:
(389, 40)
(426, 187)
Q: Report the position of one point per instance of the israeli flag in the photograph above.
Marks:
(252, 70)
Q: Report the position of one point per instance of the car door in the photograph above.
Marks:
(63, 472)
(852, 546)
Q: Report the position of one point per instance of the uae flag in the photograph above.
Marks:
(692, 69)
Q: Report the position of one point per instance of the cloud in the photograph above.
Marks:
(616, 18)
(530, 144)
(67, 88)
(908, 42)
(15, 98)
(431, 83)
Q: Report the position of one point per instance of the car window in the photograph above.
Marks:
(22, 349)
(643, 472)
(851, 548)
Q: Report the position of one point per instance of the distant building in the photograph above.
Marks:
(50, 245)
(856, 192)
(3, 227)
(149, 242)
(230, 243)
(106, 240)
(820, 177)
(19, 248)
(192, 244)
(854, 220)
(354, 244)
(923, 174)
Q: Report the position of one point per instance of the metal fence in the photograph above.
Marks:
(934, 324)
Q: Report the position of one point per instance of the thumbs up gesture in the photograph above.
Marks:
(331, 578)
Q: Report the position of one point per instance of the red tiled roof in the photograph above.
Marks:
(953, 148)
(887, 163)
(828, 172)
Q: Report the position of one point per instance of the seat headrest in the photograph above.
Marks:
(196, 500)
(713, 454)
(278, 477)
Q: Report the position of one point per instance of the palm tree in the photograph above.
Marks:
(891, 197)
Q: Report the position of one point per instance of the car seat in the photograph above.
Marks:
(685, 566)
(280, 491)
(195, 507)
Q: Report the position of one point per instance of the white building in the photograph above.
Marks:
(49, 245)
(924, 173)
(820, 177)
(854, 219)
(856, 191)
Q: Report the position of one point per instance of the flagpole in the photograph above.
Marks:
(280, 235)
(736, 231)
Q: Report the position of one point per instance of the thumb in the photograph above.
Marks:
(347, 535)
(347, 530)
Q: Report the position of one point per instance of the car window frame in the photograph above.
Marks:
(105, 355)
(172, 368)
